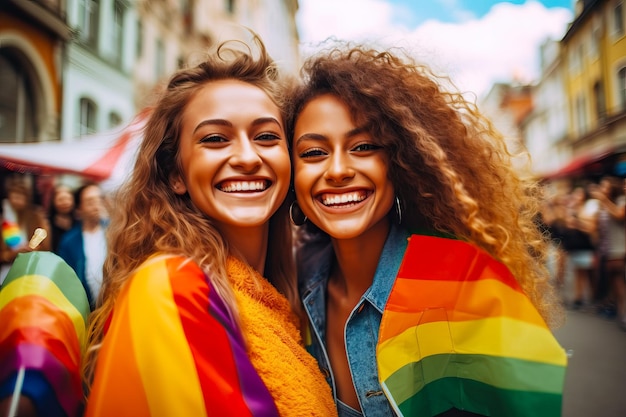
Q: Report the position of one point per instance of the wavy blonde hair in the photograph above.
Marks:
(449, 166)
(149, 218)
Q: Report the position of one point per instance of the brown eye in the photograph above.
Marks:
(213, 139)
(311, 153)
(366, 147)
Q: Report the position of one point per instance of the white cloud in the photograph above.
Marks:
(456, 10)
(346, 19)
(499, 47)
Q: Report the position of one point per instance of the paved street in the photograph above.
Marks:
(595, 384)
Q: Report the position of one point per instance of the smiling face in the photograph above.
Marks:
(340, 171)
(233, 154)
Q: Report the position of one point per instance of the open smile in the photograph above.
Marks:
(343, 200)
(244, 186)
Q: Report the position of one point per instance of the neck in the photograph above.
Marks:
(249, 244)
(356, 260)
(91, 225)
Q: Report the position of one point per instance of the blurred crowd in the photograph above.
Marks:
(74, 220)
(588, 232)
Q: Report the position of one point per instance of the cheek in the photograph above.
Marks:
(301, 178)
(281, 163)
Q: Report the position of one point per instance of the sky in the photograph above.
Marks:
(475, 42)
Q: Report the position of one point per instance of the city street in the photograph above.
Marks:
(595, 384)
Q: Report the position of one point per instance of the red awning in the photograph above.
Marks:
(101, 157)
(579, 165)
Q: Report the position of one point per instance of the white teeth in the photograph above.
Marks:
(235, 186)
(334, 199)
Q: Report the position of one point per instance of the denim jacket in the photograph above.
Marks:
(361, 329)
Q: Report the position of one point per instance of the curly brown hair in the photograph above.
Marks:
(149, 218)
(450, 167)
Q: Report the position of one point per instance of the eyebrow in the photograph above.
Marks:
(223, 122)
(318, 137)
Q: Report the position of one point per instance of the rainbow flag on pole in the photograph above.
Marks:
(458, 332)
(43, 311)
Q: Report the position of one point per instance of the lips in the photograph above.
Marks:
(243, 186)
(343, 199)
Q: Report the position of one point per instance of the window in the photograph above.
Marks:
(88, 11)
(576, 58)
(618, 19)
(598, 95)
(621, 85)
(139, 50)
(114, 119)
(581, 115)
(87, 117)
(118, 32)
(596, 39)
(18, 121)
(160, 59)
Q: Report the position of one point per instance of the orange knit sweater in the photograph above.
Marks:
(290, 373)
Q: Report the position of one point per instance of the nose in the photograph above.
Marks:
(245, 156)
(339, 169)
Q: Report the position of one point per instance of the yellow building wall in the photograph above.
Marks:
(615, 59)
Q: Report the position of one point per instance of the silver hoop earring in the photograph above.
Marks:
(297, 217)
(398, 210)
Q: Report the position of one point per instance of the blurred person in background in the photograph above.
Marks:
(61, 215)
(577, 243)
(84, 246)
(20, 219)
(608, 227)
(552, 220)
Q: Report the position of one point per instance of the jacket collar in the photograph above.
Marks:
(316, 270)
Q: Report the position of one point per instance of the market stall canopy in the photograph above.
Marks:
(581, 165)
(104, 157)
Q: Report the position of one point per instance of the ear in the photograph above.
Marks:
(178, 185)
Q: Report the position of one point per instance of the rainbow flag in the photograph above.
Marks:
(43, 311)
(11, 234)
(172, 348)
(458, 332)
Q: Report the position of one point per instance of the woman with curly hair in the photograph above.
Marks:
(194, 316)
(421, 266)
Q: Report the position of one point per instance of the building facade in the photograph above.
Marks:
(100, 57)
(594, 53)
(172, 34)
(506, 105)
(544, 131)
(33, 34)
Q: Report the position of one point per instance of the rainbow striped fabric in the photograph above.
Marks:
(458, 332)
(11, 234)
(172, 348)
(43, 311)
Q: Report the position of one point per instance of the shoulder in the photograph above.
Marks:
(166, 267)
(166, 276)
(71, 235)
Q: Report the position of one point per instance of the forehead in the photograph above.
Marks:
(325, 111)
(91, 192)
(229, 99)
